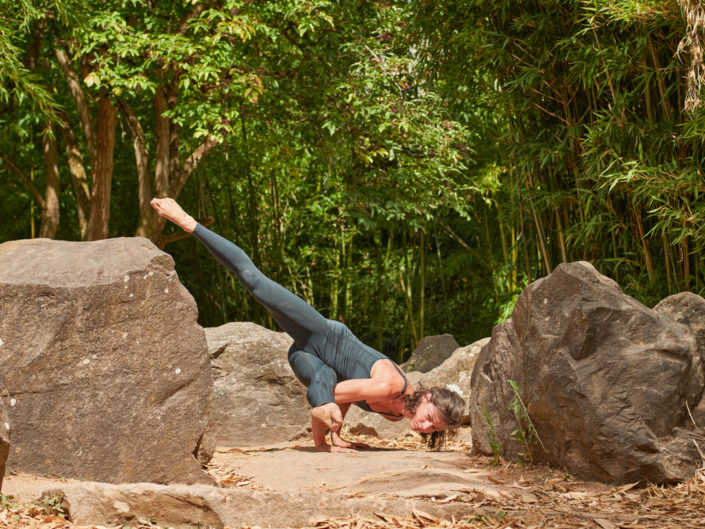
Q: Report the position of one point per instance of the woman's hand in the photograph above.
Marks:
(330, 415)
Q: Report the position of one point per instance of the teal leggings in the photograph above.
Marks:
(324, 352)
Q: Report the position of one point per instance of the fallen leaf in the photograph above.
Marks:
(605, 524)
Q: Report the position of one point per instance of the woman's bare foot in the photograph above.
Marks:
(339, 442)
(334, 449)
(170, 210)
(330, 415)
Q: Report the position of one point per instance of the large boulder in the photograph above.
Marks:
(4, 440)
(256, 397)
(454, 371)
(106, 368)
(430, 352)
(603, 379)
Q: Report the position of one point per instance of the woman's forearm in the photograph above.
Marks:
(318, 430)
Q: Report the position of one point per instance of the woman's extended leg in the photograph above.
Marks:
(299, 319)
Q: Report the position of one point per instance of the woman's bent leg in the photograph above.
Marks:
(313, 373)
(299, 319)
(320, 379)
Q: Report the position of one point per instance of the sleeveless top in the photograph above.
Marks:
(363, 404)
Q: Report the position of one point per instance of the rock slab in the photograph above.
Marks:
(105, 368)
(256, 396)
(606, 381)
(296, 487)
(4, 440)
(186, 506)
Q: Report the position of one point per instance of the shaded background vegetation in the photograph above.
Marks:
(407, 167)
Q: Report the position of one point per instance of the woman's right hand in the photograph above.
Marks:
(330, 415)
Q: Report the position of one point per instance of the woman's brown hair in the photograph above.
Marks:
(450, 406)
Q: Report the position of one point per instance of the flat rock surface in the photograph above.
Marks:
(286, 485)
(396, 485)
(385, 473)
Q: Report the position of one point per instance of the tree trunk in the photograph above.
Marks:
(50, 209)
(102, 173)
(145, 225)
(79, 98)
(161, 170)
(78, 178)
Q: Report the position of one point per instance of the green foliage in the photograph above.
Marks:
(583, 104)
(407, 167)
(525, 434)
(495, 444)
(53, 504)
(6, 502)
(20, 86)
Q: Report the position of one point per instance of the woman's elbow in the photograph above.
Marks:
(387, 390)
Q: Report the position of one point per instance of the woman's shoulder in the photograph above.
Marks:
(388, 371)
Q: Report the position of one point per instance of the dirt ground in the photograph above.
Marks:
(501, 496)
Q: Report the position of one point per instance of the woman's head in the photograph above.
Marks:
(437, 413)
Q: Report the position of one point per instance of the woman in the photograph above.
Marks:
(337, 368)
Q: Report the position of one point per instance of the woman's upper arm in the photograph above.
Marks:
(362, 389)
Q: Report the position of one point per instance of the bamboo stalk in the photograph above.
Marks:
(667, 259)
(31, 207)
(443, 281)
(522, 234)
(502, 238)
(335, 279)
(561, 238)
(407, 301)
(422, 289)
(512, 283)
(667, 110)
(647, 254)
(379, 268)
(541, 237)
(348, 280)
(686, 262)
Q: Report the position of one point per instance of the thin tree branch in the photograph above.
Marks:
(36, 195)
(166, 239)
(190, 165)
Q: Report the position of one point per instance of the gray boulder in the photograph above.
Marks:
(604, 379)
(4, 440)
(256, 396)
(106, 368)
(430, 352)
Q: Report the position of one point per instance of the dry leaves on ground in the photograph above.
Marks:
(549, 499)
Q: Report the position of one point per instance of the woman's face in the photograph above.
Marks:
(427, 418)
